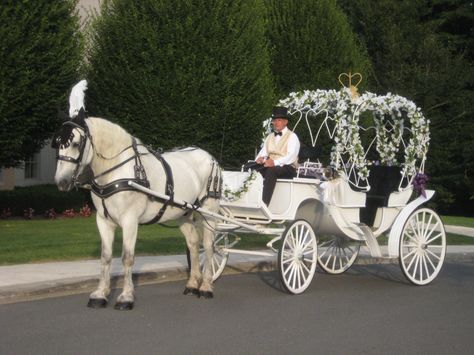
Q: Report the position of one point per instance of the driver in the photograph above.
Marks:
(279, 155)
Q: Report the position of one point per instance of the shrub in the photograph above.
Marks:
(50, 214)
(184, 72)
(41, 198)
(312, 44)
(40, 51)
(70, 213)
(29, 213)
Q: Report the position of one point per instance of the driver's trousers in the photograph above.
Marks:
(271, 175)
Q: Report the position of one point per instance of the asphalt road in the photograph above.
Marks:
(369, 310)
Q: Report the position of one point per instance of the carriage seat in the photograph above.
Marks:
(383, 180)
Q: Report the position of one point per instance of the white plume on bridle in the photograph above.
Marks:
(76, 99)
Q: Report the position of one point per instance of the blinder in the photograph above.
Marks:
(63, 138)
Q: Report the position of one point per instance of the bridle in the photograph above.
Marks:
(82, 145)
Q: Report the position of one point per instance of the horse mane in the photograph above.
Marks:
(109, 138)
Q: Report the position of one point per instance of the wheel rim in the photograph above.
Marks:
(337, 254)
(298, 257)
(219, 257)
(422, 246)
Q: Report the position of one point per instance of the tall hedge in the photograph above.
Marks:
(183, 73)
(312, 44)
(40, 53)
(411, 58)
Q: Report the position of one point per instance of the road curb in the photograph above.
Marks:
(70, 286)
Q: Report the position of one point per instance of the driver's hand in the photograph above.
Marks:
(260, 160)
(269, 163)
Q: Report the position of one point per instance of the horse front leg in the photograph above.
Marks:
(192, 241)
(98, 298)
(126, 299)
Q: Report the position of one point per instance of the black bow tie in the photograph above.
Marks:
(277, 133)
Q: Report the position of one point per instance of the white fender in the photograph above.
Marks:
(397, 228)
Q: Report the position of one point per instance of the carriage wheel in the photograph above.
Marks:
(422, 246)
(337, 254)
(297, 257)
(219, 259)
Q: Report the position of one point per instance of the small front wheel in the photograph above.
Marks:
(298, 256)
(219, 257)
(422, 246)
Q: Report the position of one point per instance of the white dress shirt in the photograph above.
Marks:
(293, 150)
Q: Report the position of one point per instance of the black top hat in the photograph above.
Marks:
(280, 112)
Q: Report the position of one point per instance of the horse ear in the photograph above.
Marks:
(80, 118)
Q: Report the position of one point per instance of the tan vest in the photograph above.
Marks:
(279, 150)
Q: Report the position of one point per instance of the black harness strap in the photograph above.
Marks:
(213, 181)
(104, 191)
(169, 189)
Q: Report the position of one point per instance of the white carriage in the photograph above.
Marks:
(320, 219)
(376, 151)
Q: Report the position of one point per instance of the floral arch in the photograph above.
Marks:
(399, 126)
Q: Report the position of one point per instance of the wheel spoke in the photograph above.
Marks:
(427, 272)
(429, 260)
(306, 268)
(432, 230)
(327, 261)
(436, 256)
(287, 269)
(434, 238)
(412, 260)
(410, 253)
(427, 227)
(416, 264)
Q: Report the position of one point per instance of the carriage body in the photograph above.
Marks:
(371, 194)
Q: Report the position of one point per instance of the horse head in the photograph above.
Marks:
(75, 151)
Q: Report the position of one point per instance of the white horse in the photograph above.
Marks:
(115, 157)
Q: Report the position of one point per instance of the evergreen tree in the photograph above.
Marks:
(183, 73)
(40, 51)
(410, 58)
(312, 44)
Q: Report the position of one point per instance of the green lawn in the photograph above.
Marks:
(458, 221)
(24, 241)
(42, 240)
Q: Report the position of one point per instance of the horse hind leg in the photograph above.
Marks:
(192, 241)
(206, 288)
(98, 298)
(208, 228)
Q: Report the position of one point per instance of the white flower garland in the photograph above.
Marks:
(391, 110)
(235, 194)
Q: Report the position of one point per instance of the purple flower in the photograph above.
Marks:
(419, 183)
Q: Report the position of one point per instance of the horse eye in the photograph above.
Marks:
(75, 145)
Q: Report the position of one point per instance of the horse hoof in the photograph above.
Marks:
(124, 306)
(97, 303)
(192, 291)
(206, 294)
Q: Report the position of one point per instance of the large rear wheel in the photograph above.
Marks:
(297, 257)
(422, 246)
